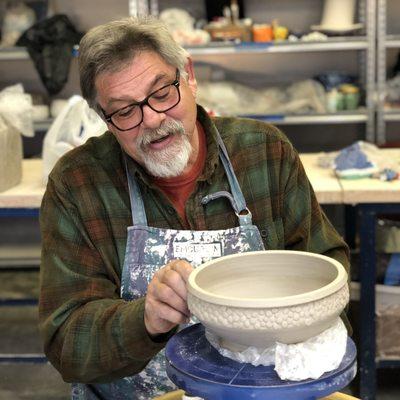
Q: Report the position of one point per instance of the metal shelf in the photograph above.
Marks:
(392, 115)
(13, 54)
(332, 44)
(279, 119)
(392, 41)
(20, 53)
(389, 363)
(313, 119)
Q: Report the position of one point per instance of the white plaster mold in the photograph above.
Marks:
(259, 298)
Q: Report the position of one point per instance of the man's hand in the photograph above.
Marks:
(165, 304)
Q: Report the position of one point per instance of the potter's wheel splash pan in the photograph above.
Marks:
(196, 367)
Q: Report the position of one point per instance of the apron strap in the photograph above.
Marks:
(240, 207)
(137, 206)
(233, 182)
(243, 215)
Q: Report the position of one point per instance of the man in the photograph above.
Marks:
(123, 213)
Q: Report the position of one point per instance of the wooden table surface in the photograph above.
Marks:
(328, 188)
(324, 182)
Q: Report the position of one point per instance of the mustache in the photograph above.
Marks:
(170, 127)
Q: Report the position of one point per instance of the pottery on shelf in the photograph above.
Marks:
(338, 17)
(262, 297)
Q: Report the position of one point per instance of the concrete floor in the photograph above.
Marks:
(19, 334)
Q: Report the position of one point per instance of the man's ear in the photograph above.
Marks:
(191, 79)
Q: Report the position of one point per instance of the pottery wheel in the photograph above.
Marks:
(196, 367)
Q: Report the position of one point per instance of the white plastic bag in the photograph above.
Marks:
(76, 123)
(309, 359)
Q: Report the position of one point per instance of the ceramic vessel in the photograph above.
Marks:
(259, 298)
(337, 17)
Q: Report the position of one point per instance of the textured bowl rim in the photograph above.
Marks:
(284, 301)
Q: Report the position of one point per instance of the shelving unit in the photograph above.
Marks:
(359, 43)
(363, 46)
(385, 43)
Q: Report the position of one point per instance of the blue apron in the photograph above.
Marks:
(147, 250)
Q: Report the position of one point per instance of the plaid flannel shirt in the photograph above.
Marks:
(90, 334)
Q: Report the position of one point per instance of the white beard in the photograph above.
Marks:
(171, 161)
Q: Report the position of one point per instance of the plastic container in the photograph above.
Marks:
(351, 96)
(262, 33)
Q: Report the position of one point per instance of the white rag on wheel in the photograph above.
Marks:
(296, 362)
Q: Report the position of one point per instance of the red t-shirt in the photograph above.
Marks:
(178, 189)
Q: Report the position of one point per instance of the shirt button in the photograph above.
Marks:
(264, 233)
(170, 210)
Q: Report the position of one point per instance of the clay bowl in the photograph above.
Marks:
(259, 298)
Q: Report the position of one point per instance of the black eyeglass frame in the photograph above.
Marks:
(145, 102)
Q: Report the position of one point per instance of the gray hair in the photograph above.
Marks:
(112, 46)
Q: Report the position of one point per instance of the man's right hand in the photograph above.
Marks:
(165, 304)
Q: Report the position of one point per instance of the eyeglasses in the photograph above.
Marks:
(160, 101)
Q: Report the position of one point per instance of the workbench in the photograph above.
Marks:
(366, 197)
(28, 194)
(371, 197)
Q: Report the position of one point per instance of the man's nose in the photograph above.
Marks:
(152, 119)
